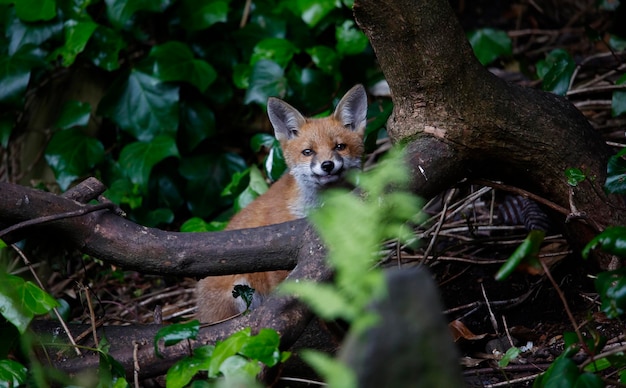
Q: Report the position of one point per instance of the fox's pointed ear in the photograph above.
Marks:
(352, 109)
(285, 119)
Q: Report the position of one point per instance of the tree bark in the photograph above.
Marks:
(447, 105)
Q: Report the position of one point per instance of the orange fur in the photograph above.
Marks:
(318, 152)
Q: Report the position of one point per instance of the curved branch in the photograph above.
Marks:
(118, 241)
(492, 128)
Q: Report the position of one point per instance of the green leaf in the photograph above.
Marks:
(197, 224)
(123, 191)
(31, 36)
(181, 373)
(71, 154)
(12, 373)
(324, 299)
(174, 333)
(263, 347)
(350, 40)
(77, 34)
(325, 58)
(618, 101)
(142, 105)
(616, 174)
(240, 372)
(7, 123)
(15, 74)
(158, 216)
(313, 11)
(562, 373)
(197, 123)
(278, 50)
(200, 14)
(611, 286)
(207, 176)
(73, 114)
(266, 79)
(255, 188)
(174, 61)
(612, 240)
(510, 355)
(527, 251)
(589, 380)
(20, 301)
(556, 71)
(617, 43)
(103, 49)
(138, 158)
(574, 176)
(335, 373)
(489, 44)
(119, 12)
(227, 348)
(34, 10)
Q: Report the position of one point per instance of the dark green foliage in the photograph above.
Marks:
(185, 81)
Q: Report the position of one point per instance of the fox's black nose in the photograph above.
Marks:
(328, 166)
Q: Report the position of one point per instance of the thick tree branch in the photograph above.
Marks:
(493, 129)
(118, 241)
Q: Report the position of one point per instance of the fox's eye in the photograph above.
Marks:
(307, 152)
(340, 147)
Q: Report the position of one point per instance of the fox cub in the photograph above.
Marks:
(318, 152)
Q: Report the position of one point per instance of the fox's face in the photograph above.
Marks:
(322, 151)
(318, 152)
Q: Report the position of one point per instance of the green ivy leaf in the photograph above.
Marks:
(263, 347)
(31, 35)
(15, 74)
(324, 299)
(266, 79)
(173, 334)
(33, 10)
(197, 224)
(617, 43)
(13, 373)
(181, 373)
(77, 34)
(618, 101)
(227, 348)
(335, 372)
(138, 158)
(278, 50)
(489, 44)
(616, 174)
(574, 176)
(174, 61)
(313, 11)
(612, 240)
(509, 356)
(274, 163)
(350, 40)
(255, 188)
(325, 58)
(589, 380)
(527, 251)
(556, 71)
(123, 191)
(207, 176)
(71, 154)
(611, 287)
(73, 114)
(142, 105)
(197, 123)
(200, 14)
(104, 47)
(20, 301)
(6, 128)
(119, 12)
